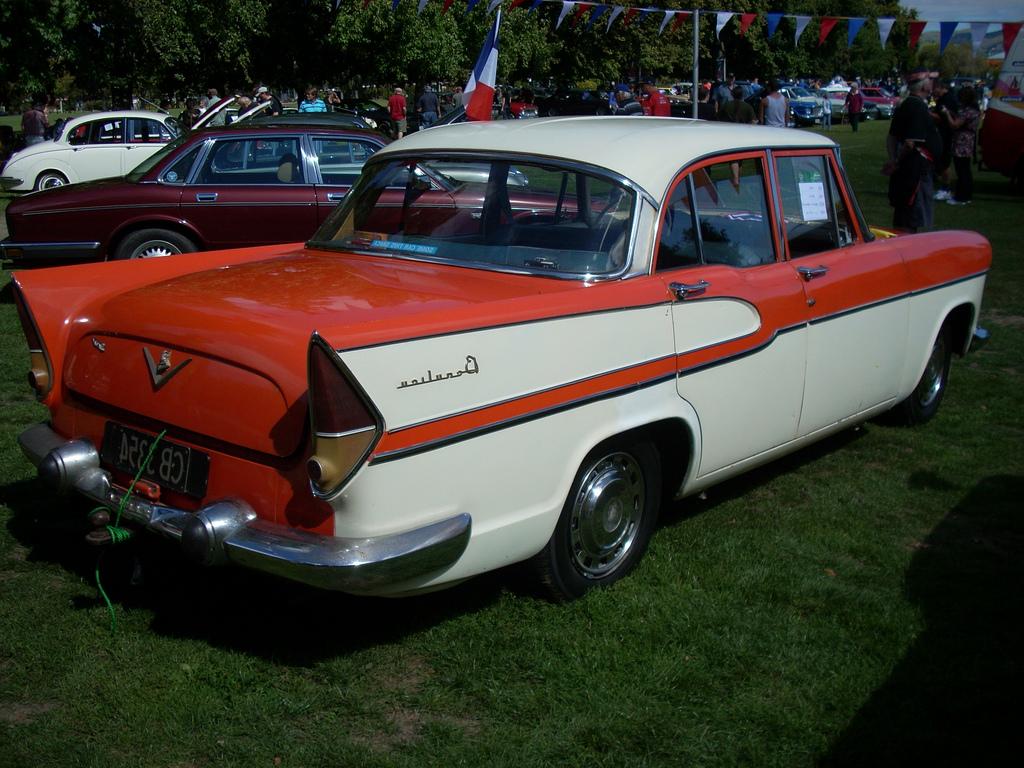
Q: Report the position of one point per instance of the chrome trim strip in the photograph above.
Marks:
(68, 250)
(233, 533)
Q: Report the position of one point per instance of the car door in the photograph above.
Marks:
(856, 292)
(252, 190)
(143, 138)
(737, 312)
(98, 148)
(339, 161)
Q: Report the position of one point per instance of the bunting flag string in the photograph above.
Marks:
(608, 14)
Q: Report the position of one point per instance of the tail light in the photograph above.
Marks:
(40, 374)
(344, 422)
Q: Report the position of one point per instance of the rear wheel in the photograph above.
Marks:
(153, 243)
(51, 179)
(924, 401)
(606, 522)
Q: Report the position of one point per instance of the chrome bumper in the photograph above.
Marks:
(9, 182)
(229, 531)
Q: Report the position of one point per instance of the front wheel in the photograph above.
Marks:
(606, 523)
(153, 243)
(923, 403)
(51, 180)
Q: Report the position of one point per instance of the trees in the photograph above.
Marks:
(117, 48)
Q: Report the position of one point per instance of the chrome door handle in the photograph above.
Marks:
(335, 197)
(809, 273)
(689, 290)
(206, 197)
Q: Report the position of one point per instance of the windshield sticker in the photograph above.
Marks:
(391, 245)
(812, 201)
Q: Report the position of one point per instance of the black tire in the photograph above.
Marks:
(606, 523)
(926, 398)
(51, 180)
(153, 243)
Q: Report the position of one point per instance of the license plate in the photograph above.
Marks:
(172, 466)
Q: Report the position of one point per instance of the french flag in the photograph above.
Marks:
(479, 91)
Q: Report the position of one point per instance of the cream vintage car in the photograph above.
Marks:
(98, 145)
(461, 371)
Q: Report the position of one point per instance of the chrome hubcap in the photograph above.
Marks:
(934, 372)
(155, 249)
(49, 182)
(606, 515)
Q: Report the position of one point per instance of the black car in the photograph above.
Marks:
(565, 101)
(336, 119)
(376, 112)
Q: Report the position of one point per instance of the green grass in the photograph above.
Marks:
(857, 603)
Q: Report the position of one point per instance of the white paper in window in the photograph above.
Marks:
(812, 201)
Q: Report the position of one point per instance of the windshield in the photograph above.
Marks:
(486, 212)
(155, 159)
(800, 93)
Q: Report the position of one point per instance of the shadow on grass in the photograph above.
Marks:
(233, 608)
(954, 699)
(254, 613)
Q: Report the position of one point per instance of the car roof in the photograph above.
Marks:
(251, 126)
(143, 113)
(647, 150)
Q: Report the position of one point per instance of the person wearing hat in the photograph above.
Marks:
(263, 94)
(397, 110)
(913, 144)
(625, 104)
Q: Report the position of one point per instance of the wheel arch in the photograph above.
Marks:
(960, 322)
(127, 228)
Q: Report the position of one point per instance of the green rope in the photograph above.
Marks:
(118, 534)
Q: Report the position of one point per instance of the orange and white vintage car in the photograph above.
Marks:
(510, 343)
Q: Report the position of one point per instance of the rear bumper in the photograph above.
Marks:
(229, 531)
(15, 251)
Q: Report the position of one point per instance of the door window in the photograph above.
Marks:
(178, 172)
(275, 160)
(814, 213)
(718, 214)
(341, 160)
(107, 132)
(146, 131)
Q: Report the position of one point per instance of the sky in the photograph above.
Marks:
(975, 10)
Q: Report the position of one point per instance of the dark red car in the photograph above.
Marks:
(241, 185)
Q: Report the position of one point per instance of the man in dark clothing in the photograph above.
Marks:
(854, 106)
(427, 106)
(913, 144)
(625, 104)
(737, 110)
(34, 124)
(263, 94)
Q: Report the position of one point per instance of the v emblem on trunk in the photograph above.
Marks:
(160, 373)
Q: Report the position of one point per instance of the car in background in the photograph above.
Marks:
(94, 146)
(565, 101)
(836, 94)
(336, 119)
(244, 184)
(522, 105)
(372, 111)
(805, 108)
(883, 101)
(454, 376)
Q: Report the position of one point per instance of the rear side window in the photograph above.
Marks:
(107, 132)
(146, 131)
(718, 214)
(341, 160)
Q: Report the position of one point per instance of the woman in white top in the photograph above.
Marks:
(774, 107)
